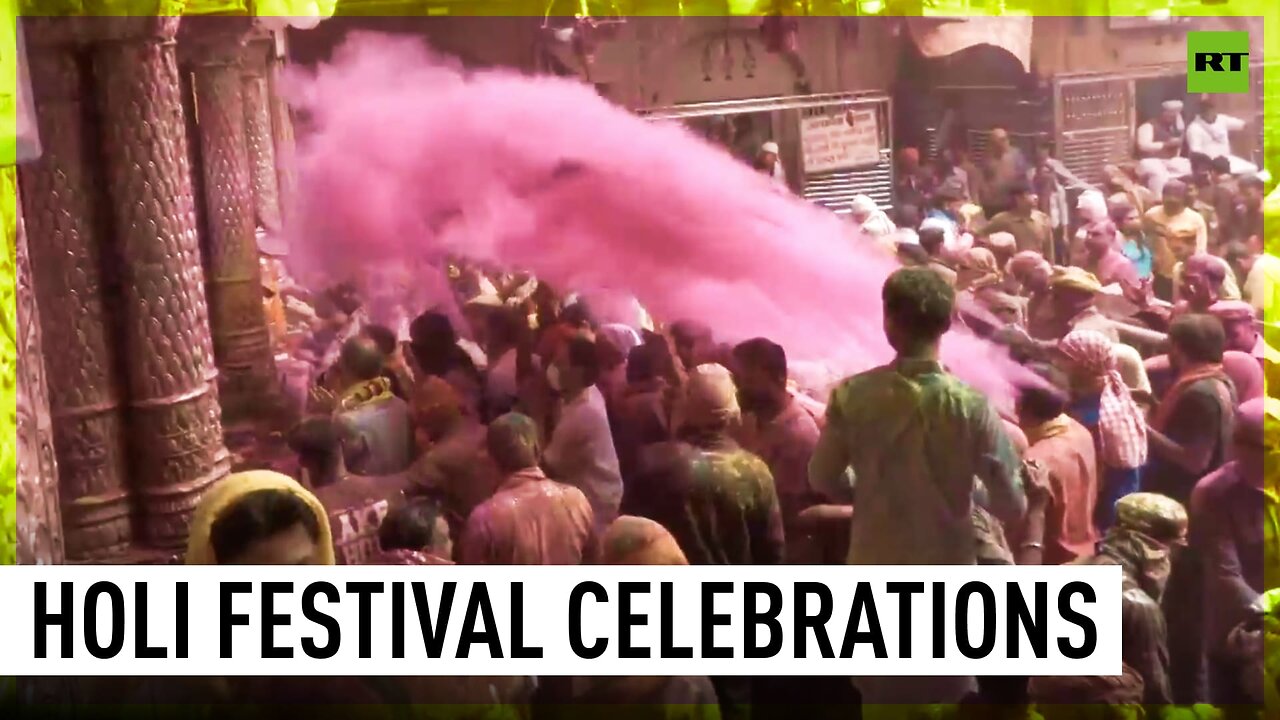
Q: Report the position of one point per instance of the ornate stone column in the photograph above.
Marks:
(174, 417)
(241, 341)
(258, 128)
(40, 538)
(282, 131)
(61, 202)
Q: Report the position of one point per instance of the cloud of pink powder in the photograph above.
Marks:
(404, 157)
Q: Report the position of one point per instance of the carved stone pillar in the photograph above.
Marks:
(61, 201)
(258, 130)
(241, 341)
(282, 131)
(40, 538)
(174, 416)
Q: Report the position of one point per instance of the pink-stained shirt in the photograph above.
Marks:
(1114, 268)
(531, 520)
(786, 444)
(1065, 448)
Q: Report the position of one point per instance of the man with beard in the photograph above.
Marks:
(780, 430)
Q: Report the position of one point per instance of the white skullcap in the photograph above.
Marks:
(862, 203)
(770, 147)
(1171, 105)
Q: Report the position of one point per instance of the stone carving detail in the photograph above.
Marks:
(178, 449)
(282, 130)
(259, 134)
(67, 261)
(39, 535)
(241, 341)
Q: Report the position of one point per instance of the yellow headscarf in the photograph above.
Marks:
(228, 492)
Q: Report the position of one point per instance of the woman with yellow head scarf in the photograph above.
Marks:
(259, 517)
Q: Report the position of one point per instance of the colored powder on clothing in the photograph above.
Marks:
(405, 157)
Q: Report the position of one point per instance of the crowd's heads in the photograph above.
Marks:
(644, 364)
(1240, 257)
(693, 340)
(1174, 196)
(710, 400)
(384, 338)
(760, 371)
(1000, 139)
(576, 367)
(436, 406)
(1003, 245)
(431, 338)
(1073, 290)
(908, 216)
(862, 208)
(418, 526)
(259, 518)
(1170, 110)
(769, 154)
(1202, 278)
(318, 442)
(909, 158)
(1100, 237)
(1208, 108)
(1239, 323)
(1039, 403)
(977, 267)
(513, 443)
(1125, 216)
(361, 359)
(1257, 435)
(1196, 339)
(933, 240)
(634, 540)
(1023, 196)
(1158, 517)
(918, 306)
(1031, 270)
(1252, 191)
(1087, 358)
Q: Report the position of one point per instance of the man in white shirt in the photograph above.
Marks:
(1159, 144)
(1210, 134)
(581, 451)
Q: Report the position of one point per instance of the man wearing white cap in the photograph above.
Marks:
(1160, 146)
(769, 163)
(1210, 134)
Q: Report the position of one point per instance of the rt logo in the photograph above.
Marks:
(1217, 62)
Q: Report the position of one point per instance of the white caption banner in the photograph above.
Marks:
(1075, 613)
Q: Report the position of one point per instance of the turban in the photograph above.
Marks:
(1002, 241)
(863, 204)
(1121, 426)
(711, 398)
(1160, 518)
(1074, 278)
(1233, 311)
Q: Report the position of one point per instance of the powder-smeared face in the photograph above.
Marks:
(1197, 287)
(293, 546)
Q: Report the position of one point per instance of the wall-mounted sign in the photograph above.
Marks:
(840, 140)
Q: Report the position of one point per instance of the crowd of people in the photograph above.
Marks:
(525, 430)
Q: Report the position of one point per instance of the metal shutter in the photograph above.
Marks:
(835, 190)
(1094, 121)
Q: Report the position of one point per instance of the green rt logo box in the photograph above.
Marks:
(1217, 62)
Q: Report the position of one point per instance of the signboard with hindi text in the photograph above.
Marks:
(840, 140)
